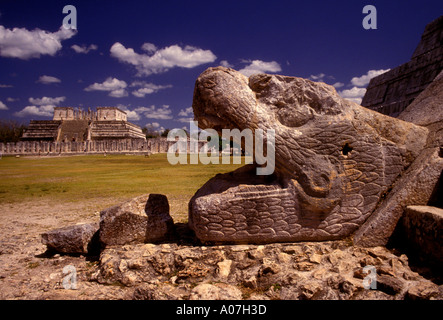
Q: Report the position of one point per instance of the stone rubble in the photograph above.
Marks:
(302, 271)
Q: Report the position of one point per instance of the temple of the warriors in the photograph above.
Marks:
(75, 131)
(69, 124)
(391, 92)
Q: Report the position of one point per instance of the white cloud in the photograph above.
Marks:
(3, 106)
(119, 93)
(258, 66)
(149, 47)
(354, 94)
(9, 99)
(185, 120)
(40, 111)
(42, 107)
(84, 49)
(338, 85)
(186, 115)
(146, 88)
(24, 44)
(186, 112)
(109, 84)
(115, 87)
(142, 92)
(155, 127)
(132, 115)
(48, 80)
(364, 79)
(152, 112)
(46, 101)
(161, 60)
(318, 77)
(5, 86)
(226, 64)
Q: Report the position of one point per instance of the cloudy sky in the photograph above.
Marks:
(144, 56)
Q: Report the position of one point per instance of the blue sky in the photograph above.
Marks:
(144, 56)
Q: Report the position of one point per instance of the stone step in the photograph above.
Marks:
(423, 231)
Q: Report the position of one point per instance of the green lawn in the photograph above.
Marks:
(85, 178)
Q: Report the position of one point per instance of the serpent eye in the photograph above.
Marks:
(209, 84)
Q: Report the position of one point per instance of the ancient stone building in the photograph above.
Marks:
(391, 92)
(78, 125)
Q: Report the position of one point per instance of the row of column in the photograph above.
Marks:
(157, 145)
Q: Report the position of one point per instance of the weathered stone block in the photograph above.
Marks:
(423, 229)
(160, 225)
(124, 223)
(72, 239)
(142, 219)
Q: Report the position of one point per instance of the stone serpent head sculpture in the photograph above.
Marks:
(335, 161)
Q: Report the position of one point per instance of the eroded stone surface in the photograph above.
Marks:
(415, 187)
(124, 223)
(160, 225)
(143, 219)
(334, 160)
(331, 270)
(71, 239)
(423, 231)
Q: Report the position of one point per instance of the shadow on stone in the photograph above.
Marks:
(418, 234)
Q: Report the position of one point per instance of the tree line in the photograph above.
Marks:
(11, 130)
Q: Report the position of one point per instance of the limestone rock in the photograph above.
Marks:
(160, 225)
(415, 187)
(389, 284)
(77, 239)
(422, 228)
(423, 291)
(142, 219)
(335, 161)
(171, 271)
(426, 108)
(124, 223)
(206, 291)
(419, 81)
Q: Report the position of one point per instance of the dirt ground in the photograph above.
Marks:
(27, 271)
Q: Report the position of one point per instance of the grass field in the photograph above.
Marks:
(89, 178)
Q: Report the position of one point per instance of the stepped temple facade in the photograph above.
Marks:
(391, 92)
(69, 124)
(76, 132)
